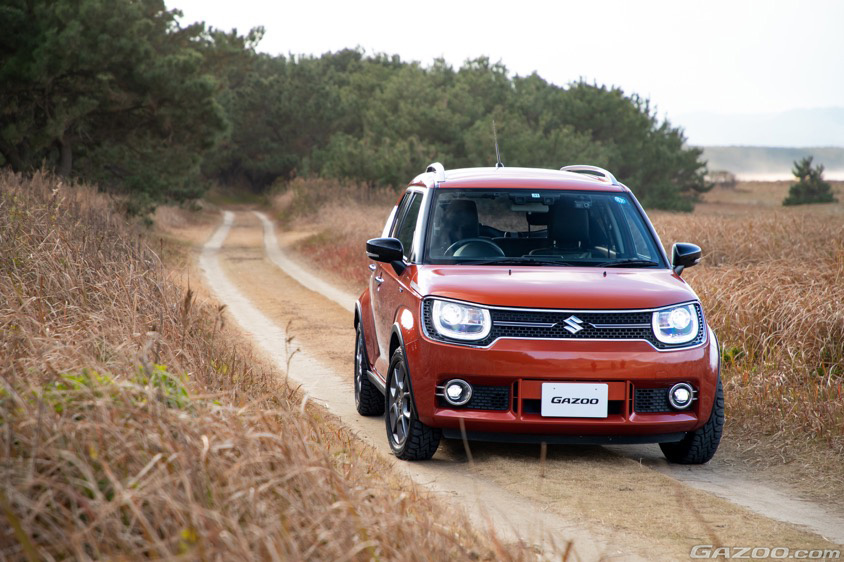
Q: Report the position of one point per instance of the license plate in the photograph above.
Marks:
(574, 400)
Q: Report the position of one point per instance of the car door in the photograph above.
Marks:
(375, 347)
(386, 284)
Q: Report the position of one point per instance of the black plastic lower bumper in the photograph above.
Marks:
(564, 439)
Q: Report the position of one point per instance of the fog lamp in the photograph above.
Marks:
(680, 396)
(457, 392)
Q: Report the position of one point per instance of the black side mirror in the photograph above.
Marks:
(684, 255)
(387, 250)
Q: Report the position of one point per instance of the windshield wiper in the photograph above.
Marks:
(627, 263)
(517, 261)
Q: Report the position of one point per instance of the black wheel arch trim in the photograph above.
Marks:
(358, 316)
(373, 378)
(717, 348)
(396, 331)
(718, 375)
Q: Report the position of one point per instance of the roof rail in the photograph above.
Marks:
(437, 169)
(590, 171)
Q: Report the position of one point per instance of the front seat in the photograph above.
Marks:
(568, 231)
(459, 222)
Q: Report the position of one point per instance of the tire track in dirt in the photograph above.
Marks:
(294, 270)
(608, 504)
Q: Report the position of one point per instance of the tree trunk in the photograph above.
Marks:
(12, 155)
(66, 158)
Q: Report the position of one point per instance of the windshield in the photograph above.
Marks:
(538, 227)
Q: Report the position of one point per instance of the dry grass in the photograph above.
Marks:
(132, 426)
(772, 284)
(342, 217)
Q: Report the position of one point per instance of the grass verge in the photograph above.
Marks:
(132, 423)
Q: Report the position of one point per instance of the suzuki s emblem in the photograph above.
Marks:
(573, 324)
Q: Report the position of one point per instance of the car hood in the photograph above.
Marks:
(555, 287)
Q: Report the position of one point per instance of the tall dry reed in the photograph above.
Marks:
(772, 284)
(340, 218)
(133, 425)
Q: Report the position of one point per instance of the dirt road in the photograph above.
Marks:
(619, 503)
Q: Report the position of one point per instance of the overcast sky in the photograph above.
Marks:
(687, 57)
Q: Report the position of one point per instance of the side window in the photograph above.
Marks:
(407, 226)
(641, 246)
(397, 216)
(388, 226)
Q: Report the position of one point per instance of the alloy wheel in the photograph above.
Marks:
(398, 407)
(359, 373)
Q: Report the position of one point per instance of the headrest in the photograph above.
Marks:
(462, 210)
(537, 219)
(569, 225)
(461, 218)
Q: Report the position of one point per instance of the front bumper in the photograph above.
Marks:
(523, 365)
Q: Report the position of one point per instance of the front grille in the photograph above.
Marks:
(484, 398)
(595, 325)
(490, 398)
(651, 400)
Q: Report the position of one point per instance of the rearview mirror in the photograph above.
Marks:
(684, 255)
(386, 250)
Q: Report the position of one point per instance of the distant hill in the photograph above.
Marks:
(794, 128)
(772, 163)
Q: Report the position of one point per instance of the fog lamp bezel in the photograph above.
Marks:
(467, 392)
(674, 403)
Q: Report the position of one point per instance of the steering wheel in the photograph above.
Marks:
(475, 248)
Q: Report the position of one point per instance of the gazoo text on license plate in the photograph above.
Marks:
(574, 400)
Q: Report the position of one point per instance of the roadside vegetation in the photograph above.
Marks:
(121, 93)
(771, 281)
(132, 423)
(810, 186)
(771, 284)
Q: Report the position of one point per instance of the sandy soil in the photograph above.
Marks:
(613, 502)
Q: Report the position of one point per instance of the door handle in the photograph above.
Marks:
(372, 267)
(379, 280)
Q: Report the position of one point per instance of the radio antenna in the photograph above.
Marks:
(498, 163)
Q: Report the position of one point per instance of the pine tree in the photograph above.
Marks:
(113, 91)
(810, 187)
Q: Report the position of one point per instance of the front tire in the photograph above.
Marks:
(410, 439)
(699, 446)
(368, 400)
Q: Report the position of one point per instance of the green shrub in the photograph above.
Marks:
(810, 187)
(75, 392)
(169, 388)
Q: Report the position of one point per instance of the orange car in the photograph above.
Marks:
(530, 305)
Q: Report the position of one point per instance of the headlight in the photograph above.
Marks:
(676, 325)
(460, 321)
